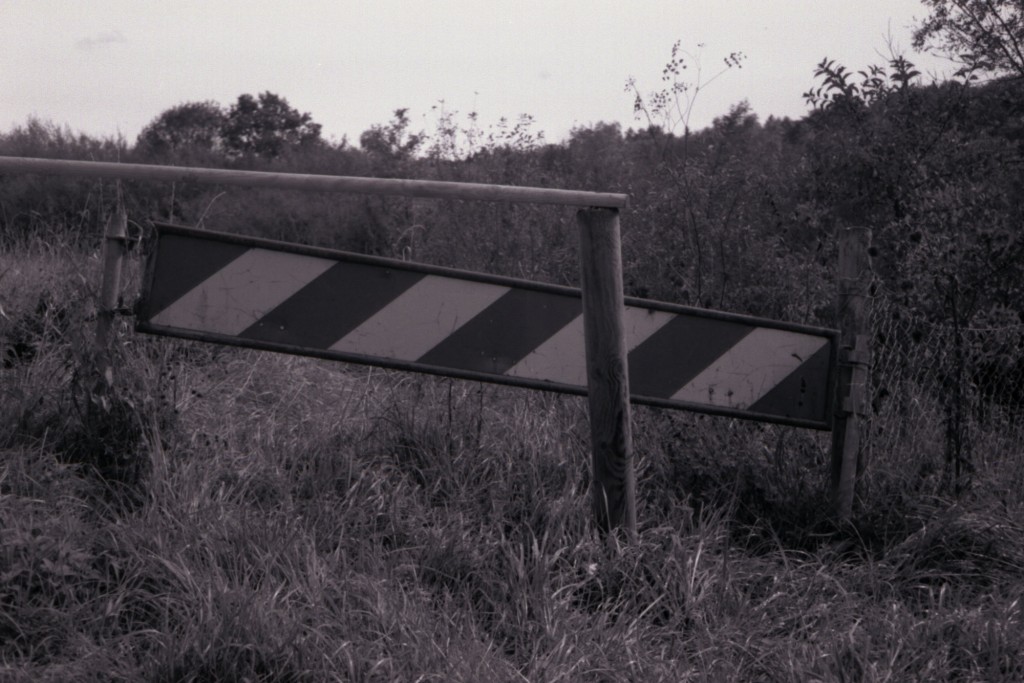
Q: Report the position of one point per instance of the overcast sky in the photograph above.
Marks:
(105, 67)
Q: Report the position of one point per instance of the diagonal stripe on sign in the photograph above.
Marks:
(678, 351)
(419, 318)
(487, 344)
(240, 293)
(751, 368)
(562, 358)
(349, 292)
(187, 267)
(801, 393)
(641, 323)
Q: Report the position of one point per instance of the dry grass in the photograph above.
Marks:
(299, 520)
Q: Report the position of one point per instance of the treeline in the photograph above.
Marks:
(741, 215)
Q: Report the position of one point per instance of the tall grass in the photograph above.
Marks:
(299, 520)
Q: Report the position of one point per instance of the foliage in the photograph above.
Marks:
(838, 87)
(923, 166)
(393, 142)
(702, 241)
(191, 126)
(267, 126)
(670, 108)
(93, 421)
(982, 35)
(713, 203)
(63, 210)
(453, 141)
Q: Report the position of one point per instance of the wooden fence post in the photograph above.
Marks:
(848, 454)
(614, 483)
(115, 234)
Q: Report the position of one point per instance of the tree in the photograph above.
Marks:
(188, 126)
(929, 169)
(879, 137)
(393, 141)
(985, 35)
(267, 126)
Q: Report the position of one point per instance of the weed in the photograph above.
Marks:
(292, 519)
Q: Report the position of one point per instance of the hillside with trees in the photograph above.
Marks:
(206, 513)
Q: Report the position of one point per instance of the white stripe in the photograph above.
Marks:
(641, 323)
(562, 358)
(420, 318)
(751, 368)
(243, 291)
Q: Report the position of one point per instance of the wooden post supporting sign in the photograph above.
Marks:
(614, 484)
(848, 454)
(115, 235)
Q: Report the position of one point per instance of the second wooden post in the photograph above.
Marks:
(114, 236)
(848, 453)
(611, 435)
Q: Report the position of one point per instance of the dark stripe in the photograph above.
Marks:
(183, 263)
(804, 393)
(332, 305)
(678, 352)
(505, 332)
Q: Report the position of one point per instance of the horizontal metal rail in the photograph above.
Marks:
(434, 189)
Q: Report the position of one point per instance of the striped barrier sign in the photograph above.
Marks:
(270, 295)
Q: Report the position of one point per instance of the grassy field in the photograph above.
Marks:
(216, 514)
